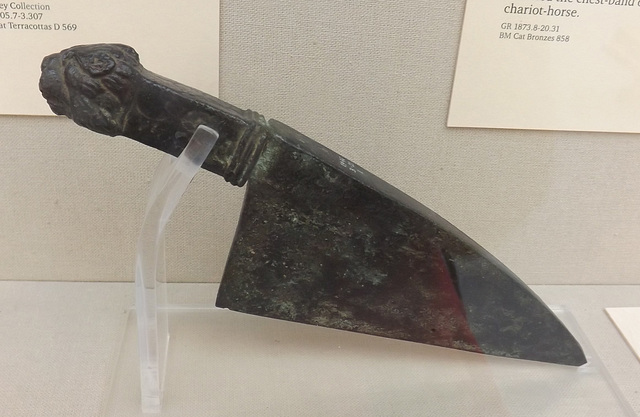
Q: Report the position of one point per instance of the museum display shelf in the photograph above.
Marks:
(226, 363)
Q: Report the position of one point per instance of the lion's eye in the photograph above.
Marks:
(99, 63)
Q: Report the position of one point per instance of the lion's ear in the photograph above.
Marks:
(132, 54)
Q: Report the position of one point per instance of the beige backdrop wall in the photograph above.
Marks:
(370, 79)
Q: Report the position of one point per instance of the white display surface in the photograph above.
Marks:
(62, 344)
(550, 64)
(226, 363)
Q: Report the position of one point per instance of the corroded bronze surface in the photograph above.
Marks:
(320, 240)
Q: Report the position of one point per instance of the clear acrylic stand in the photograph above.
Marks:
(169, 183)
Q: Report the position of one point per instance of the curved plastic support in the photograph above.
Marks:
(171, 179)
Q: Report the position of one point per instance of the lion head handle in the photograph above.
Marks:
(92, 84)
(104, 88)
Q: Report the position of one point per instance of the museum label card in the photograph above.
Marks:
(549, 64)
(179, 40)
(627, 320)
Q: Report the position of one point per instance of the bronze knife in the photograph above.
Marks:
(320, 240)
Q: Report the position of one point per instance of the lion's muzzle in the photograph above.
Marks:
(52, 85)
